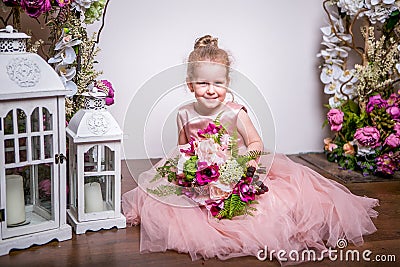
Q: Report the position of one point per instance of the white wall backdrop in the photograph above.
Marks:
(273, 43)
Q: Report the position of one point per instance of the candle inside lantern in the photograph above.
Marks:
(93, 197)
(15, 207)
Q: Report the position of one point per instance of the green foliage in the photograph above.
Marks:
(165, 190)
(190, 168)
(167, 170)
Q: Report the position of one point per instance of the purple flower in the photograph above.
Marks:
(368, 136)
(34, 8)
(377, 101)
(385, 164)
(392, 140)
(206, 174)
(394, 112)
(335, 118)
(394, 99)
(211, 129)
(245, 190)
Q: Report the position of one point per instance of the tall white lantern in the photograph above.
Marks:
(33, 189)
(95, 168)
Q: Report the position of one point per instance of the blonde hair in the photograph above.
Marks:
(206, 49)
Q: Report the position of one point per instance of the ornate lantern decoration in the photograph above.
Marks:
(95, 167)
(32, 148)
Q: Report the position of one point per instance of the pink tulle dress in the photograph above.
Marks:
(302, 210)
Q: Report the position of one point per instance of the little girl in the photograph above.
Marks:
(302, 210)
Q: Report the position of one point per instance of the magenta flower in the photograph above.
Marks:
(377, 101)
(368, 136)
(385, 164)
(393, 140)
(107, 88)
(206, 174)
(211, 129)
(34, 8)
(393, 100)
(335, 118)
(245, 190)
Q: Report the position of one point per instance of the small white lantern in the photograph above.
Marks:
(33, 190)
(95, 168)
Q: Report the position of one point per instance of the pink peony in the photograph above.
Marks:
(368, 136)
(34, 8)
(394, 112)
(392, 140)
(45, 187)
(207, 151)
(335, 118)
(377, 101)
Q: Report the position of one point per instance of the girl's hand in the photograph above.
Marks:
(252, 163)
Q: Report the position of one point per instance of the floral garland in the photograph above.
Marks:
(364, 105)
(69, 49)
(211, 173)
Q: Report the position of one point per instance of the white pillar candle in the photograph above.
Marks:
(93, 197)
(15, 207)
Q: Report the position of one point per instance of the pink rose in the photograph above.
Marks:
(335, 118)
(329, 146)
(392, 140)
(368, 136)
(348, 149)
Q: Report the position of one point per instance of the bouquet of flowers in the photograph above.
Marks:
(213, 174)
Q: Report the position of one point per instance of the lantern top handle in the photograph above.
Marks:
(10, 32)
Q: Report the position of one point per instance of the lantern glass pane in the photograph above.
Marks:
(91, 159)
(48, 146)
(99, 193)
(8, 123)
(21, 116)
(22, 149)
(35, 125)
(47, 120)
(35, 147)
(9, 151)
(107, 159)
(29, 193)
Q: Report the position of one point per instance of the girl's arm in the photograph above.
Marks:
(181, 132)
(249, 133)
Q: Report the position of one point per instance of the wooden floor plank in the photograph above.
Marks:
(121, 247)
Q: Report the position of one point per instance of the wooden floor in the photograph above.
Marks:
(115, 248)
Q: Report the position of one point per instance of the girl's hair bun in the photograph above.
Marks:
(206, 40)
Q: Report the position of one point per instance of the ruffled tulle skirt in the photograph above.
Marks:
(302, 210)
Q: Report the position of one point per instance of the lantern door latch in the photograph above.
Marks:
(2, 215)
(59, 158)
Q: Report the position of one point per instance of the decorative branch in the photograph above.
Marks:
(102, 22)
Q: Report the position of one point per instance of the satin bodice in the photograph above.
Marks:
(192, 121)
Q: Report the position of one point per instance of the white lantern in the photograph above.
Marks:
(33, 190)
(95, 168)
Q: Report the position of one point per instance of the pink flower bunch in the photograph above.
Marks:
(335, 118)
(210, 130)
(368, 136)
(107, 88)
(376, 101)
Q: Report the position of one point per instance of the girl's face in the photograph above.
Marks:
(209, 84)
